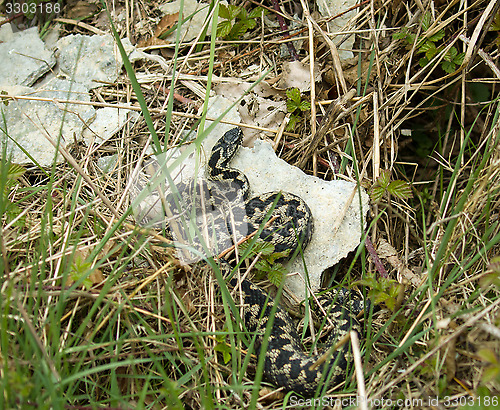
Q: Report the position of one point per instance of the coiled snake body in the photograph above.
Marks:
(285, 364)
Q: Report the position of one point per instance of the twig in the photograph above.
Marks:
(334, 110)
(376, 260)
(322, 359)
(246, 238)
(284, 28)
(81, 24)
(359, 370)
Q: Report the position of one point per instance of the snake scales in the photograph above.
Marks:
(291, 229)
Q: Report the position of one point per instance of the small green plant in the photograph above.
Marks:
(492, 278)
(3, 99)
(20, 387)
(14, 172)
(296, 106)
(382, 290)
(267, 265)
(223, 347)
(492, 370)
(80, 270)
(383, 184)
(495, 26)
(237, 21)
(431, 46)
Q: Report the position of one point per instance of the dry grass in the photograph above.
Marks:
(139, 329)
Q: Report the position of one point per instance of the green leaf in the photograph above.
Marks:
(292, 122)
(263, 247)
(263, 267)
(394, 289)
(495, 264)
(256, 13)
(376, 193)
(431, 52)
(400, 35)
(293, 95)
(380, 185)
(305, 106)
(487, 355)
(15, 172)
(292, 106)
(12, 211)
(368, 281)
(224, 12)
(490, 374)
(426, 46)
(426, 21)
(400, 189)
(278, 255)
(448, 67)
(437, 36)
(251, 23)
(242, 15)
(76, 275)
(223, 348)
(423, 61)
(234, 11)
(491, 278)
(451, 54)
(79, 269)
(276, 275)
(390, 302)
(495, 25)
(238, 30)
(224, 28)
(379, 297)
(459, 59)
(384, 179)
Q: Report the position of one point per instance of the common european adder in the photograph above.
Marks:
(226, 194)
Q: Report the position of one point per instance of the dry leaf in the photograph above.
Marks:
(152, 41)
(297, 75)
(450, 360)
(166, 23)
(386, 251)
(81, 10)
(94, 278)
(270, 395)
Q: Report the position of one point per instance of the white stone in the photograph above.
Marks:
(89, 60)
(330, 8)
(192, 27)
(24, 57)
(28, 122)
(108, 121)
(108, 163)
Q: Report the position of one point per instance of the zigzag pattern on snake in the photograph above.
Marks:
(286, 364)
